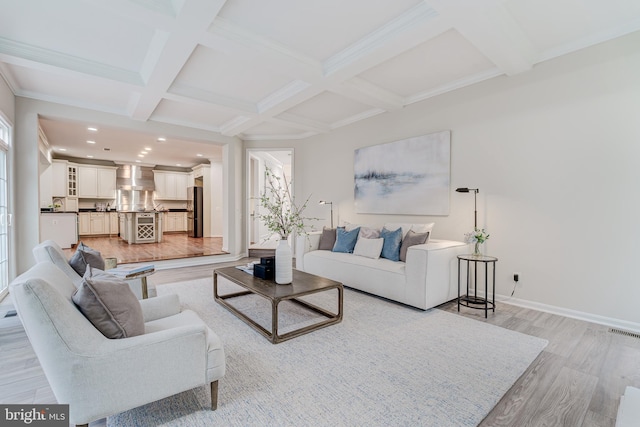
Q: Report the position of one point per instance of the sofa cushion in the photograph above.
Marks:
(418, 228)
(346, 240)
(109, 304)
(412, 238)
(370, 248)
(392, 242)
(84, 256)
(327, 239)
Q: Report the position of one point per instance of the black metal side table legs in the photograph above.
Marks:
(474, 301)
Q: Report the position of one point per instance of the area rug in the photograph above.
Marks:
(384, 365)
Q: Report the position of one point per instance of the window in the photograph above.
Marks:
(5, 217)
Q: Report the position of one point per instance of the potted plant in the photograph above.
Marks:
(284, 217)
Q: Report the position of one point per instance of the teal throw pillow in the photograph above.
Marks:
(346, 240)
(392, 243)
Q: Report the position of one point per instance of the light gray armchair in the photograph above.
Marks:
(98, 376)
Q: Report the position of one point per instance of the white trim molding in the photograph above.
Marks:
(574, 314)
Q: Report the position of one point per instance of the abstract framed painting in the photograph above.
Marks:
(406, 177)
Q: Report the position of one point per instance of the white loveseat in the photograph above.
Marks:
(426, 279)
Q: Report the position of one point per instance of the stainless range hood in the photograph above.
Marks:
(135, 187)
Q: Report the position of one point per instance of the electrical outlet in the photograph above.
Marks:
(516, 277)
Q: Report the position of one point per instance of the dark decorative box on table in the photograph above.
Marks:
(266, 269)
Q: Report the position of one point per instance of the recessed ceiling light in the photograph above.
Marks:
(61, 149)
(138, 161)
(178, 164)
(90, 141)
(199, 155)
(162, 139)
(140, 155)
(92, 129)
(143, 152)
(89, 156)
(147, 148)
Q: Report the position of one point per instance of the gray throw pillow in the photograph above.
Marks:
(412, 238)
(84, 256)
(109, 304)
(327, 239)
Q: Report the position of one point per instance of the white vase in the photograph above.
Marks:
(284, 263)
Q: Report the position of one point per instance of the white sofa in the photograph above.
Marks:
(428, 277)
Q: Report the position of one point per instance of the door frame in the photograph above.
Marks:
(256, 158)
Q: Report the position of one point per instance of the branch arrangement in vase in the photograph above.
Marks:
(283, 216)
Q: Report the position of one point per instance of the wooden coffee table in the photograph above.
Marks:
(302, 284)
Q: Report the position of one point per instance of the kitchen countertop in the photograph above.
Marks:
(47, 211)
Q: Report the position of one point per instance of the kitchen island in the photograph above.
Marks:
(141, 227)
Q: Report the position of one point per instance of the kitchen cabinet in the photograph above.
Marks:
(181, 186)
(170, 185)
(98, 223)
(87, 182)
(64, 183)
(72, 180)
(84, 223)
(174, 221)
(107, 183)
(59, 178)
(95, 182)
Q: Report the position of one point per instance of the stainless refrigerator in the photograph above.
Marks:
(194, 212)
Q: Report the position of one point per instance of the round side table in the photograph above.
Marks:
(473, 300)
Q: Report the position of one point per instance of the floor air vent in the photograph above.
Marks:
(11, 313)
(625, 333)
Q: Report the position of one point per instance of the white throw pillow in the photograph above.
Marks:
(370, 248)
(417, 228)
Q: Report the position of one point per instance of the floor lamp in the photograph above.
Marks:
(323, 202)
(475, 204)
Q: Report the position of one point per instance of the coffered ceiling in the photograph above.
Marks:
(281, 69)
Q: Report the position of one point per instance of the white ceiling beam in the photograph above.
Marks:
(37, 58)
(367, 93)
(189, 95)
(402, 34)
(168, 55)
(489, 26)
(243, 46)
(413, 35)
(416, 16)
(298, 122)
(274, 109)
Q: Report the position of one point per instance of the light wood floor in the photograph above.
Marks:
(576, 381)
(173, 246)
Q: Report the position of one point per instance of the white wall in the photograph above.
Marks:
(555, 153)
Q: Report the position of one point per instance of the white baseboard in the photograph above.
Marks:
(566, 312)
